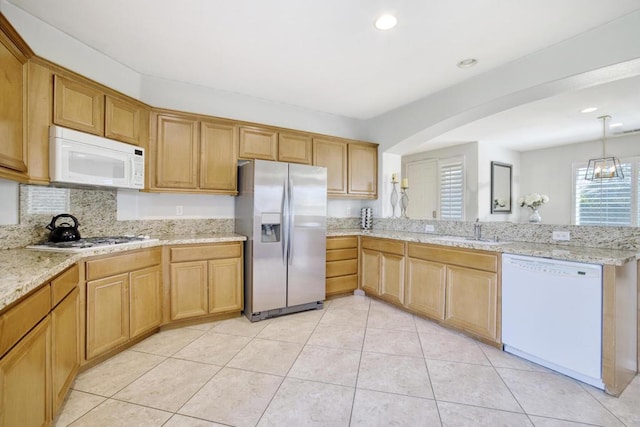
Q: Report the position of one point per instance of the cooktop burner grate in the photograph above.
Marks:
(90, 243)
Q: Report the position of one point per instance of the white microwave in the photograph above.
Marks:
(90, 160)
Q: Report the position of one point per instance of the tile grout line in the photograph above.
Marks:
(426, 365)
(289, 370)
(355, 387)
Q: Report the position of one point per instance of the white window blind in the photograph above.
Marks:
(604, 201)
(452, 190)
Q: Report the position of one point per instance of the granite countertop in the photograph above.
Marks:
(23, 270)
(561, 252)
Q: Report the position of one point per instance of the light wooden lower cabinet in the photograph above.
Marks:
(472, 300)
(457, 286)
(205, 279)
(25, 391)
(225, 291)
(65, 346)
(370, 272)
(124, 305)
(107, 314)
(383, 266)
(425, 287)
(342, 265)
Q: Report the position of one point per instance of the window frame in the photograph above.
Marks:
(442, 163)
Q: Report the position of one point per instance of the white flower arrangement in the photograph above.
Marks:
(533, 200)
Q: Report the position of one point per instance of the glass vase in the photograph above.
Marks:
(535, 216)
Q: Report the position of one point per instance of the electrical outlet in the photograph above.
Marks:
(561, 235)
(429, 228)
(179, 210)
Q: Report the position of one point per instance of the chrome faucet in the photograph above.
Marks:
(477, 230)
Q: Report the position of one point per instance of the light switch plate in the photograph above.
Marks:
(429, 228)
(561, 235)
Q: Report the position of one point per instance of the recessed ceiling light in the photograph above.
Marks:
(386, 22)
(615, 125)
(467, 63)
(589, 110)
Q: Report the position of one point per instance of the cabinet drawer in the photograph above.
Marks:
(19, 320)
(340, 254)
(342, 284)
(124, 263)
(342, 268)
(342, 242)
(461, 257)
(383, 245)
(64, 283)
(195, 253)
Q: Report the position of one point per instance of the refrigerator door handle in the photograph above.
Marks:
(290, 223)
(284, 232)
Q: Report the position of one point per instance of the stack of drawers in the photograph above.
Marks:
(342, 265)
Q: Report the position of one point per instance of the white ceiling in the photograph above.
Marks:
(326, 55)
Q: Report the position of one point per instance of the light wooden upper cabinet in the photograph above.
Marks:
(87, 108)
(13, 148)
(332, 154)
(218, 156)
(122, 120)
(363, 170)
(78, 106)
(176, 162)
(294, 147)
(352, 168)
(258, 143)
(193, 155)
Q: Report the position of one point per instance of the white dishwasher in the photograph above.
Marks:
(552, 314)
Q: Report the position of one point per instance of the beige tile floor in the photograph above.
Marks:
(357, 362)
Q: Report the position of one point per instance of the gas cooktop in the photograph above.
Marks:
(91, 243)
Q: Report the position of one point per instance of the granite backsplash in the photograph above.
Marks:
(97, 212)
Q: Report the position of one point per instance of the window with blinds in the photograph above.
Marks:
(605, 201)
(452, 190)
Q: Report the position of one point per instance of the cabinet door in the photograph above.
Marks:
(425, 287)
(145, 301)
(258, 143)
(13, 150)
(332, 154)
(176, 153)
(122, 120)
(78, 106)
(363, 170)
(218, 156)
(370, 271)
(24, 380)
(472, 301)
(392, 277)
(65, 346)
(107, 314)
(188, 289)
(225, 285)
(294, 148)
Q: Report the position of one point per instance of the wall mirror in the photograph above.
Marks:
(500, 187)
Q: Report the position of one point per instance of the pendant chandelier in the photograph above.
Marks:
(604, 167)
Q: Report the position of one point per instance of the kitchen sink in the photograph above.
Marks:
(461, 239)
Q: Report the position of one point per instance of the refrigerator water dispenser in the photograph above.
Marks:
(270, 227)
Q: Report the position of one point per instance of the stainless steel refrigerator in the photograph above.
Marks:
(282, 209)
